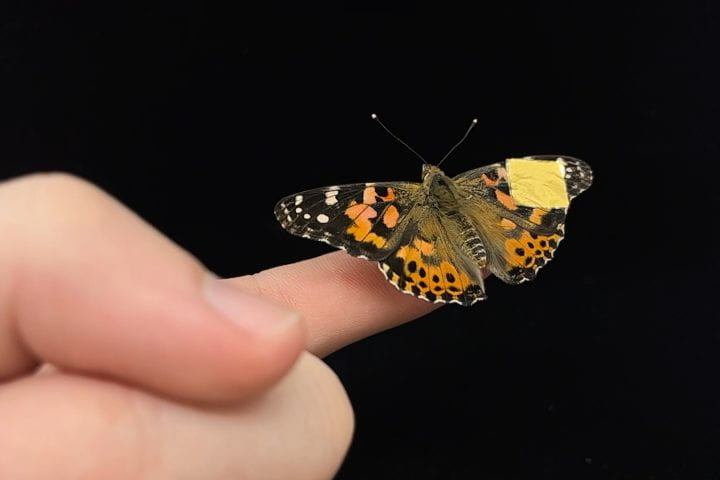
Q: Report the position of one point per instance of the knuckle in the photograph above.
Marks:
(45, 202)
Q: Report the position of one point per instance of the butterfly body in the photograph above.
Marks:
(434, 239)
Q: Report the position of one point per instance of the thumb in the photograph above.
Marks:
(87, 285)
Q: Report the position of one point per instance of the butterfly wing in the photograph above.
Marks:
(427, 262)
(365, 219)
(383, 222)
(519, 208)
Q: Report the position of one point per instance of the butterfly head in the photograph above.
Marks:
(430, 171)
(439, 187)
(434, 178)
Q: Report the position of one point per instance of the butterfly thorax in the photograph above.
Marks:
(440, 190)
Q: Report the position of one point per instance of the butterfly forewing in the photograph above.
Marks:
(363, 218)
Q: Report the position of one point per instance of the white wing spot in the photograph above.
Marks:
(298, 199)
(322, 218)
(330, 200)
(298, 210)
(289, 218)
(306, 216)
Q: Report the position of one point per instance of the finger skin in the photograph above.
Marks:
(341, 298)
(64, 426)
(88, 286)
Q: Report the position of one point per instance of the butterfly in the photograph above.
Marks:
(433, 239)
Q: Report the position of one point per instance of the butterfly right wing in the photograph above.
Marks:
(364, 219)
(521, 239)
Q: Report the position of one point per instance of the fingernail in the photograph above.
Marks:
(249, 312)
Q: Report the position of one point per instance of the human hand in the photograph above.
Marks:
(151, 367)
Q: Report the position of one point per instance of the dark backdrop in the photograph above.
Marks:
(200, 117)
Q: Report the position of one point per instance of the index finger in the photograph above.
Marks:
(341, 298)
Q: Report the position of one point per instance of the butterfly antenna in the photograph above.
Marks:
(375, 117)
(472, 125)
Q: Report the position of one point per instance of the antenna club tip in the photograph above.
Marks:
(474, 120)
(373, 116)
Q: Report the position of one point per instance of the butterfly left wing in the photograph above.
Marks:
(519, 207)
(364, 219)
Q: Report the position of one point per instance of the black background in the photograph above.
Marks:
(200, 117)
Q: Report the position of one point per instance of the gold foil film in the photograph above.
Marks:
(537, 183)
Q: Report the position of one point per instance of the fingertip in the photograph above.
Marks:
(341, 298)
(270, 338)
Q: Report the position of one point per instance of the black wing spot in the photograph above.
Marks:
(531, 245)
(381, 191)
(528, 261)
(553, 243)
(450, 277)
(520, 251)
(543, 243)
(412, 266)
(436, 279)
(422, 272)
(422, 284)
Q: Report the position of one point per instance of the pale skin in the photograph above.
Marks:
(121, 357)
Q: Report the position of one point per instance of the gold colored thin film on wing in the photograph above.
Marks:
(537, 183)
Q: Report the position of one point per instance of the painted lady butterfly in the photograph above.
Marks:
(432, 239)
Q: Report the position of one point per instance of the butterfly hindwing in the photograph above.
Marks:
(429, 264)
(363, 218)
(523, 226)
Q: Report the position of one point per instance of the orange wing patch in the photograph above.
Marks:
(488, 181)
(361, 226)
(371, 195)
(426, 248)
(442, 282)
(506, 200)
(391, 216)
(530, 251)
(507, 224)
(537, 215)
